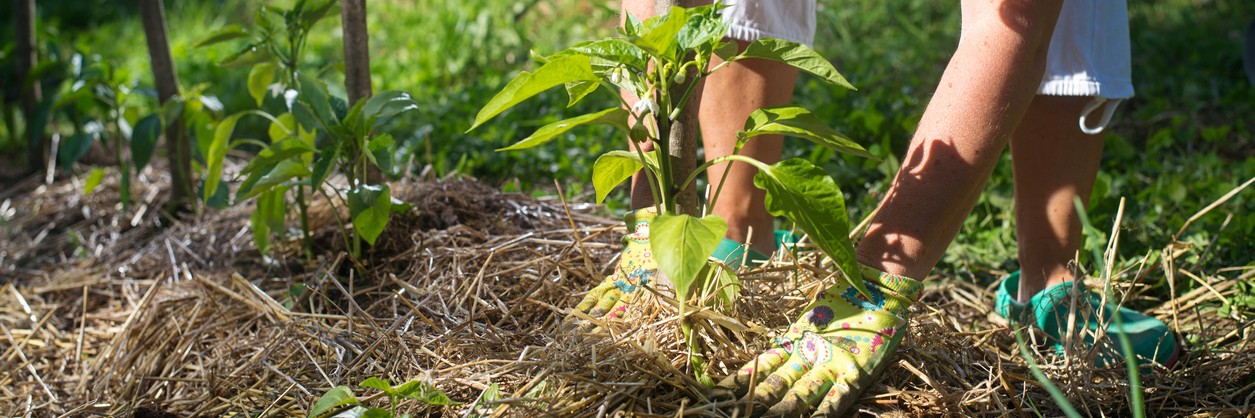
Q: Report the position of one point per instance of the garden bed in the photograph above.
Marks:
(106, 313)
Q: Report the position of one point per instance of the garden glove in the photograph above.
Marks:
(635, 270)
(1050, 309)
(834, 352)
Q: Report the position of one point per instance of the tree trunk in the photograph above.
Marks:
(682, 137)
(153, 15)
(27, 57)
(356, 50)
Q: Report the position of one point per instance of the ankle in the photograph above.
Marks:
(1033, 283)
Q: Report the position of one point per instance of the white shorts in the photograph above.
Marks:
(790, 20)
(1089, 52)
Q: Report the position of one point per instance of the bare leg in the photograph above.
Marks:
(730, 95)
(1054, 163)
(984, 92)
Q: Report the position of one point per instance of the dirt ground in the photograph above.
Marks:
(135, 314)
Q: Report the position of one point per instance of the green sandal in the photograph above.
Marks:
(732, 253)
(1049, 311)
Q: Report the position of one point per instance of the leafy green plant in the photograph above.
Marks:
(341, 396)
(661, 60)
(316, 134)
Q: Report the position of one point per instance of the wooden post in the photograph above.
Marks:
(27, 58)
(357, 62)
(682, 137)
(153, 15)
(356, 50)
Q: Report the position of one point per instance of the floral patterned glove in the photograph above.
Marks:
(835, 351)
(636, 269)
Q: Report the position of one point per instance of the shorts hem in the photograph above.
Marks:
(1086, 87)
(742, 32)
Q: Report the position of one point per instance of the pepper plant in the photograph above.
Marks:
(316, 134)
(661, 60)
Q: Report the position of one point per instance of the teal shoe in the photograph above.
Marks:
(1048, 310)
(731, 253)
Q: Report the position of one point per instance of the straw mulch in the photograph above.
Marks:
(105, 313)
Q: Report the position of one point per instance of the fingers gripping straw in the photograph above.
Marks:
(833, 352)
(636, 269)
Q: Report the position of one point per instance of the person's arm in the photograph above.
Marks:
(983, 94)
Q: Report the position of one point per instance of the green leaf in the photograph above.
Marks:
(377, 383)
(259, 79)
(74, 148)
(388, 104)
(807, 196)
(608, 53)
(795, 54)
(283, 128)
(334, 398)
(703, 28)
(797, 122)
(261, 181)
(424, 392)
(224, 34)
(482, 407)
(370, 206)
(218, 152)
(660, 40)
(267, 217)
(616, 117)
(318, 10)
(376, 413)
(326, 159)
(282, 150)
(94, 178)
(382, 147)
(144, 140)
(681, 244)
(578, 90)
(252, 54)
(613, 168)
(558, 71)
(313, 94)
(728, 285)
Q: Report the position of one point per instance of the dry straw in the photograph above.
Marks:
(103, 313)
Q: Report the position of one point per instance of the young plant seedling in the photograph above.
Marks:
(652, 60)
(317, 133)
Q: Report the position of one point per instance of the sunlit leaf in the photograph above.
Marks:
(613, 168)
(334, 398)
(94, 178)
(615, 116)
(681, 244)
(224, 34)
(797, 122)
(377, 383)
(797, 55)
(424, 392)
(807, 196)
(259, 79)
(556, 72)
(660, 40)
(217, 153)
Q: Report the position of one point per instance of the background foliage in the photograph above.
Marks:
(1186, 139)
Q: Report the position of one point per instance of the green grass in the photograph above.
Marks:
(1185, 140)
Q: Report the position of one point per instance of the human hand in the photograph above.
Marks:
(636, 269)
(837, 349)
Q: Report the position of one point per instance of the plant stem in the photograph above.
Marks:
(304, 215)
